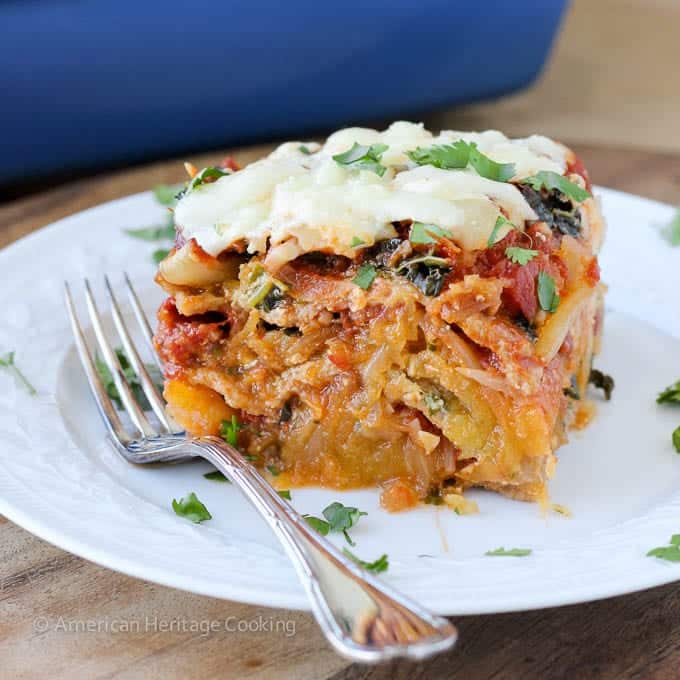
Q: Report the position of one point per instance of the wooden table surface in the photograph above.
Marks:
(47, 595)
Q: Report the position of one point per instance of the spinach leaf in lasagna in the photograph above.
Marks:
(375, 567)
(191, 508)
(427, 273)
(363, 158)
(7, 362)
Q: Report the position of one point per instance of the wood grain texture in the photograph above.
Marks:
(636, 636)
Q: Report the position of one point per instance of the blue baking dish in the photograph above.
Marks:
(90, 83)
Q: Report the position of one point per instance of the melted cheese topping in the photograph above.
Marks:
(308, 202)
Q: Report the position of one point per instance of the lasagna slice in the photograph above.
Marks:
(392, 309)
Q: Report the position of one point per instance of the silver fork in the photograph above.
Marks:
(364, 619)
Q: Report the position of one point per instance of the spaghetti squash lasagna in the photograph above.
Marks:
(399, 309)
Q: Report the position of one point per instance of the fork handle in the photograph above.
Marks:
(364, 619)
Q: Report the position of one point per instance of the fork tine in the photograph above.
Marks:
(104, 404)
(142, 321)
(131, 406)
(150, 390)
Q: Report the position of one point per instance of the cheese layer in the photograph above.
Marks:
(309, 202)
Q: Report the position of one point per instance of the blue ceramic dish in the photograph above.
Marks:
(93, 83)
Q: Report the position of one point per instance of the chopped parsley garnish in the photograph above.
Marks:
(671, 395)
(191, 508)
(319, 525)
(444, 156)
(285, 493)
(131, 378)
(552, 180)
(512, 552)
(356, 242)
(157, 233)
(434, 402)
(217, 476)
(229, 430)
(363, 158)
(672, 230)
(500, 222)
(365, 276)
(7, 361)
(520, 255)
(206, 176)
(375, 567)
(305, 150)
(547, 295)
(670, 553)
(675, 437)
(159, 255)
(459, 155)
(602, 381)
(166, 194)
(273, 470)
(499, 172)
(338, 518)
(422, 234)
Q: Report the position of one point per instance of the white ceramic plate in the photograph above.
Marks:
(620, 477)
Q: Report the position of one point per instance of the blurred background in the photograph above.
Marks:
(92, 86)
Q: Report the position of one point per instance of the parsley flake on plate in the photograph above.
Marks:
(217, 476)
(363, 158)
(671, 231)
(422, 234)
(157, 233)
(552, 180)
(375, 567)
(166, 194)
(670, 553)
(547, 294)
(338, 518)
(130, 376)
(676, 438)
(191, 508)
(512, 552)
(365, 276)
(7, 362)
(671, 395)
(520, 255)
(285, 493)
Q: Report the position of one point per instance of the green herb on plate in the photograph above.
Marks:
(552, 180)
(670, 553)
(375, 567)
(512, 552)
(191, 508)
(7, 362)
(363, 158)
